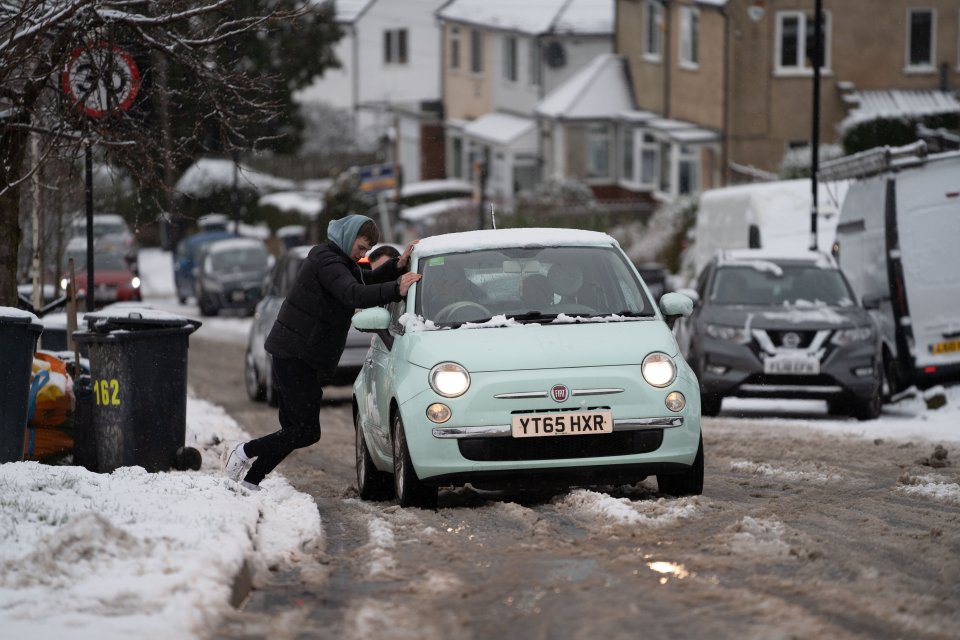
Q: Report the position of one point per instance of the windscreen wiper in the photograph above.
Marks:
(532, 316)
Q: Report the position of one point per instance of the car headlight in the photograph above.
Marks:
(135, 282)
(844, 337)
(64, 283)
(723, 332)
(212, 285)
(449, 379)
(658, 369)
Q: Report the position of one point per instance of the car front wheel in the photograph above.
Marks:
(409, 490)
(372, 484)
(688, 483)
(251, 378)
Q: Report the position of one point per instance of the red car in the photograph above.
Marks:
(114, 279)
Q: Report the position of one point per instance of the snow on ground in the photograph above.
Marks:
(137, 554)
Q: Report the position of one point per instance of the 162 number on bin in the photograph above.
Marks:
(107, 392)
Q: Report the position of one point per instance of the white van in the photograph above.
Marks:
(763, 215)
(898, 242)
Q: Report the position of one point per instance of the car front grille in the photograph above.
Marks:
(618, 443)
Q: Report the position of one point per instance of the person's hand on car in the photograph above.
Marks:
(406, 280)
(404, 259)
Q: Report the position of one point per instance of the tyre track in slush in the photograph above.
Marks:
(798, 534)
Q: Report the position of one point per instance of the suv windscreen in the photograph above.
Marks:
(770, 284)
(528, 285)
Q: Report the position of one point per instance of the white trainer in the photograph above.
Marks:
(249, 486)
(235, 463)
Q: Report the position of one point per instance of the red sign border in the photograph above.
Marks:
(125, 57)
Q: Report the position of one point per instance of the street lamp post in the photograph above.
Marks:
(815, 133)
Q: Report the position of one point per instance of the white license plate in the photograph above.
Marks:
(803, 365)
(579, 423)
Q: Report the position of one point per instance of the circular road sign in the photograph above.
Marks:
(100, 79)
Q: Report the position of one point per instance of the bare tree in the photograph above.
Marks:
(40, 39)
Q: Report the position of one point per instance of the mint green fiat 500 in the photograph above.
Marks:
(524, 358)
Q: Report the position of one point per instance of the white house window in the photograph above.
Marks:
(921, 26)
(510, 58)
(526, 173)
(689, 37)
(652, 21)
(598, 151)
(649, 159)
(688, 180)
(796, 40)
(454, 47)
(395, 46)
(535, 61)
(627, 168)
(476, 51)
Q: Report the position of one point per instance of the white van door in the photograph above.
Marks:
(928, 221)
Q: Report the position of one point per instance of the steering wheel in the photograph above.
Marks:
(447, 313)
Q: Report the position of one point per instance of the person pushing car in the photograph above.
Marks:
(309, 336)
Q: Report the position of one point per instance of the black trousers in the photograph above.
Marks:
(300, 391)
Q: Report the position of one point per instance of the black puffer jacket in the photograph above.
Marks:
(314, 319)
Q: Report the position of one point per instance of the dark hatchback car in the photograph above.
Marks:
(229, 275)
(782, 326)
(257, 363)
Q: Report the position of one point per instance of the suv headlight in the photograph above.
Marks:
(724, 332)
(449, 379)
(844, 337)
(658, 369)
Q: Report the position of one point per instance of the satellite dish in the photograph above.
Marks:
(556, 55)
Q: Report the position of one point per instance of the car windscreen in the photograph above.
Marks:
(767, 284)
(102, 260)
(248, 259)
(528, 285)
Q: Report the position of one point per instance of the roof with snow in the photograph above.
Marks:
(350, 10)
(534, 17)
(210, 175)
(306, 203)
(501, 129)
(897, 103)
(598, 91)
(501, 238)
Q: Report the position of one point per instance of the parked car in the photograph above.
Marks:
(185, 260)
(109, 230)
(897, 243)
(258, 372)
(230, 274)
(115, 279)
(524, 357)
(768, 324)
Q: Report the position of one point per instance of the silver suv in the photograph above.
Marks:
(782, 326)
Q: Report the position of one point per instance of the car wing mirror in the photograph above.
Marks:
(675, 304)
(872, 302)
(690, 293)
(371, 320)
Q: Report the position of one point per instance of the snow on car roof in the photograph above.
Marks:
(818, 258)
(499, 238)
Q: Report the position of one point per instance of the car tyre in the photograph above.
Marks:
(688, 483)
(869, 408)
(409, 490)
(710, 404)
(372, 484)
(269, 389)
(251, 378)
